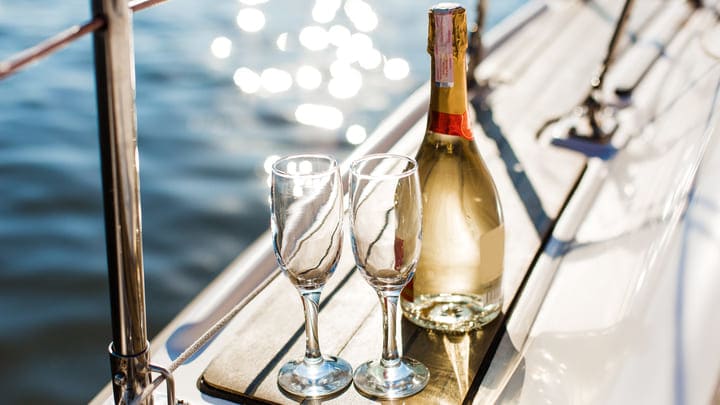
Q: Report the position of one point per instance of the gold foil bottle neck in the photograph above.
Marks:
(459, 26)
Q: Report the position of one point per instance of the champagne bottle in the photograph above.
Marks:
(457, 284)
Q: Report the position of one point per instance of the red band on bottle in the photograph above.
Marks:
(450, 124)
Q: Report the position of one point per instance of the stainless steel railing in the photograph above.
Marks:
(115, 83)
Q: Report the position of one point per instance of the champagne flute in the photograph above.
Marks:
(306, 219)
(386, 222)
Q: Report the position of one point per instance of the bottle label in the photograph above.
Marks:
(450, 124)
(443, 50)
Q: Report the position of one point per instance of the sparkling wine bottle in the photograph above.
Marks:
(457, 284)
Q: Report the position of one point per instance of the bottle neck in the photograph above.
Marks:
(448, 99)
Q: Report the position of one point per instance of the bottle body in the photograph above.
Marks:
(457, 283)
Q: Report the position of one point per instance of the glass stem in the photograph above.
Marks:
(311, 303)
(390, 356)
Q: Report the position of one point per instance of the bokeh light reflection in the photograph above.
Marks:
(361, 15)
(314, 38)
(346, 81)
(351, 51)
(370, 59)
(269, 161)
(356, 134)
(321, 116)
(252, 2)
(396, 69)
(339, 35)
(221, 47)
(308, 77)
(281, 41)
(275, 80)
(324, 10)
(247, 80)
(250, 19)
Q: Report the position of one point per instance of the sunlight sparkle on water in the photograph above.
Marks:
(247, 80)
(339, 35)
(282, 41)
(346, 81)
(314, 38)
(321, 116)
(308, 77)
(221, 47)
(361, 14)
(356, 134)
(350, 51)
(269, 161)
(275, 80)
(396, 69)
(324, 10)
(370, 59)
(250, 19)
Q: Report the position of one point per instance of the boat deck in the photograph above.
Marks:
(538, 67)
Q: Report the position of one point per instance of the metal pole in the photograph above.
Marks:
(115, 81)
(475, 46)
(619, 30)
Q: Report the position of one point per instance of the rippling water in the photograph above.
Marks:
(220, 89)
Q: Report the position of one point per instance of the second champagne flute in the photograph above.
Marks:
(306, 224)
(386, 221)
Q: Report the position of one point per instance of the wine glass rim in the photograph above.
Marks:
(405, 173)
(330, 170)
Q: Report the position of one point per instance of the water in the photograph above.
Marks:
(204, 142)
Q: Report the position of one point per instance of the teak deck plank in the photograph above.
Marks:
(533, 180)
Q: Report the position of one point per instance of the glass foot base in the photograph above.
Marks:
(407, 378)
(325, 378)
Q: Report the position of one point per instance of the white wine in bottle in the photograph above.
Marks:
(457, 284)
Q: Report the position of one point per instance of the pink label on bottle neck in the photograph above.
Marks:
(443, 50)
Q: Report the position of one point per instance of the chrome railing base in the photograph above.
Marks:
(131, 374)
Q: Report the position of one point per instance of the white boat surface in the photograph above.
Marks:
(612, 280)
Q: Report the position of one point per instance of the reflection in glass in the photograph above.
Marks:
(386, 222)
(457, 348)
(250, 19)
(269, 161)
(306, 219)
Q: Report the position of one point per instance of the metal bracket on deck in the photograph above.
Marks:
(131, 374)
(131, 378)
(589, 127)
